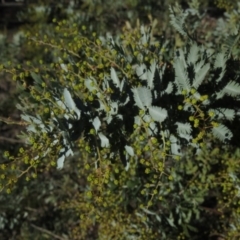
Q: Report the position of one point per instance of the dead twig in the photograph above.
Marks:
(11, 121)
(11, 140)
(48, 232)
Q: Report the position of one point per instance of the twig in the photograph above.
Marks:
(48, 232)
(11, 121)
(218, 235)
(11, 140)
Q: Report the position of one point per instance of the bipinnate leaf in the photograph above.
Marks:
(157, 113)
(142, 97)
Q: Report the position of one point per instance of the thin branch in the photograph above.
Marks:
(48, 232)
(11, 121)
(12, 140)
(218, 235)
(31, 209)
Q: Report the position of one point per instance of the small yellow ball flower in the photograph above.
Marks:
(180, 107)
(211, 113)
(193, 90)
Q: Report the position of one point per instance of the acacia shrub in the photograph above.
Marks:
(131, 121)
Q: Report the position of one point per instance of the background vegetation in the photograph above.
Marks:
(197, 197)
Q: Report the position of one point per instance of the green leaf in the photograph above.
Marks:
(142, 97)
(171, 220)
(193, 54)
(36, 77)
(222, 132)
(191, 228)
(232, 89)
(157, 113)
(181, 77)
(200, 76)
